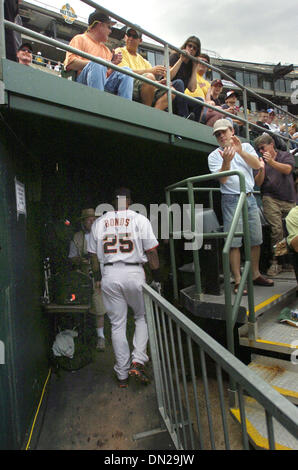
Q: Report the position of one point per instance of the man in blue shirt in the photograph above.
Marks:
(233, 155)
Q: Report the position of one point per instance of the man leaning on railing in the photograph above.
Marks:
(91, 73)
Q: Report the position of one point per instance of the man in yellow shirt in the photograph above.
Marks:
(142, 92)
(91, 73)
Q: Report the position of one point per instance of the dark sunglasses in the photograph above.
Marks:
(261, 148)
(132, 35)
(192, 46)
(24, 49)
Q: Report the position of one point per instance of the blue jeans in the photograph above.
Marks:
(228, 206)
(95, 76)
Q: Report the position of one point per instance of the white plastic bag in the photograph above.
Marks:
(64, 343)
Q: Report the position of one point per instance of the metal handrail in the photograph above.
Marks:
(167, 45)
(166, 324)
(241, 209)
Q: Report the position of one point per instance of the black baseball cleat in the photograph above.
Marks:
(137, 371)
(123, 383)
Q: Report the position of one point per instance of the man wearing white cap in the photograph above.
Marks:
(233, 155)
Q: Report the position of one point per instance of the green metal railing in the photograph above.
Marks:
(231, 310)
(167, 47)
(192, 391)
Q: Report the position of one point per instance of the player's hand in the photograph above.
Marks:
(156, 286)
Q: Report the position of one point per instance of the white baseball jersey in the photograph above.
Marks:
(122, 236)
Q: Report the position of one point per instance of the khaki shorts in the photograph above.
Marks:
(137, 85)
(292, 224)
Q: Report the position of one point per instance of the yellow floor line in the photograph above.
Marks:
(266, 302)
(288, 393)
(276, 343)
(257, 438)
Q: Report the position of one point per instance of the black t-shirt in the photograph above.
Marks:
(276, 184)
(185, 70)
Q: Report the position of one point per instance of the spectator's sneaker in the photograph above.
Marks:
(101, 344)
(137, 371)
(274, 269)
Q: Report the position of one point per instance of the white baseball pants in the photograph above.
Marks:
(122, 287)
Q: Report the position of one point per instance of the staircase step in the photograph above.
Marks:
(281, 375)
(257, 429)
(272, 335)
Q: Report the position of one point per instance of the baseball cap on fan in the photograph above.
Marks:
(230, 92)
(138, 33)
(222, 125)
(101, 17)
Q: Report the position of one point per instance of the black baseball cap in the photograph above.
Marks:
(102, 17)
(25, 44)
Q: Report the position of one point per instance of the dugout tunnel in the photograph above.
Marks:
(64, 147)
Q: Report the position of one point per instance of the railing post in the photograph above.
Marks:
(196, 260)
(167, 65)
(287, 131)
(245, 113)
(2, 37)
(172, 250)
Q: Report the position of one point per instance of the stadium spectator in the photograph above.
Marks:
(275, 179)
(183, 74)
(272, 121)
(142, 92)
(263, 118)
(231, 107)
(24, 54)
(39, 59)
(210, 116)
(11, 10)
(93, 74)
(202, 91)
(234, 155)
(293, 135)
(58, 67)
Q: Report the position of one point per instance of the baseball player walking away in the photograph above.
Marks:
(123, 241)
